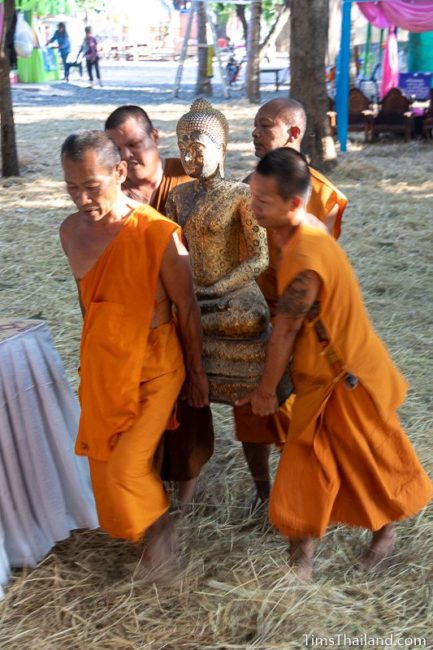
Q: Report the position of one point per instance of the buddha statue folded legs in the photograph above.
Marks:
(240, 314)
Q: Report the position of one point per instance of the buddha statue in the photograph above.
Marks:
(217, 222)
(228, 250)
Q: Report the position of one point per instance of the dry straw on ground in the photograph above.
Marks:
(233, 591)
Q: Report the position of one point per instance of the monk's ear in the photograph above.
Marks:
(155, 136)
(121, 171)
(294, 133)
(295, 203)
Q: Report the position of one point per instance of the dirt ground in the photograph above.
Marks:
(232, 592)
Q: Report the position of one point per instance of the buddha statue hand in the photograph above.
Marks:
(242, 313)
(202, 292)
(214, 305)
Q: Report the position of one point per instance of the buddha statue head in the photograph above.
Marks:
(202, 138)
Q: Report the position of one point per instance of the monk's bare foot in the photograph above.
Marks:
(301, 557)
(258, 507)
(158, 561)
(185, 495)
(381, 548)
(257, 457)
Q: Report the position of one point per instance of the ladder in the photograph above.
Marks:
(193, 10)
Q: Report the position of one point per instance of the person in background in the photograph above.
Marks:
(61, 37)
(90, 51)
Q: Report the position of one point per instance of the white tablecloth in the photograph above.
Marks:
(44, 488)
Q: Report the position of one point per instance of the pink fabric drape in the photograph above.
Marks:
(413, 15)
(390, 67)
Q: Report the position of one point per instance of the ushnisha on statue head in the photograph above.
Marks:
(202, 138)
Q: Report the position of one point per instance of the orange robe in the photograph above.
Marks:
(346, 458)
(273, 429)
(174, 175)
(130, 375)
(324, 197)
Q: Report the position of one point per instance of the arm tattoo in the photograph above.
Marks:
(298, 297)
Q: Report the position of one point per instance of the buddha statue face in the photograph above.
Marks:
(200, 156)
(202, 139)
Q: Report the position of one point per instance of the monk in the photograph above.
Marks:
(150, 178)
(281, 122)
(346, 459)
(130, 267)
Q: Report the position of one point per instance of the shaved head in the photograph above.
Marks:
(290, 111)
(279, 123)
(77, 144)
(123, 113)
(133, 133)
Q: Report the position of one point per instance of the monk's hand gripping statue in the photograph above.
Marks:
(294, 305)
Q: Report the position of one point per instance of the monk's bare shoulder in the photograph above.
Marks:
(66, 229)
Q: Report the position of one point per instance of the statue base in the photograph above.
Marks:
(234, 368)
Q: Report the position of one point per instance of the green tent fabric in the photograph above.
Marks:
(421, 52)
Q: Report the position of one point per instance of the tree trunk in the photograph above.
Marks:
(308, 47)
(240, 13)
(252, 75)
(9, 154)
(203, 84)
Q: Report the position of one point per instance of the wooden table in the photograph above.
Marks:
(279, 73)
(44, 488)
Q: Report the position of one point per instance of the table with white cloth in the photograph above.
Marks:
(44, 488)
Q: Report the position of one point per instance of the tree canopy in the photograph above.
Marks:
(46, 7)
